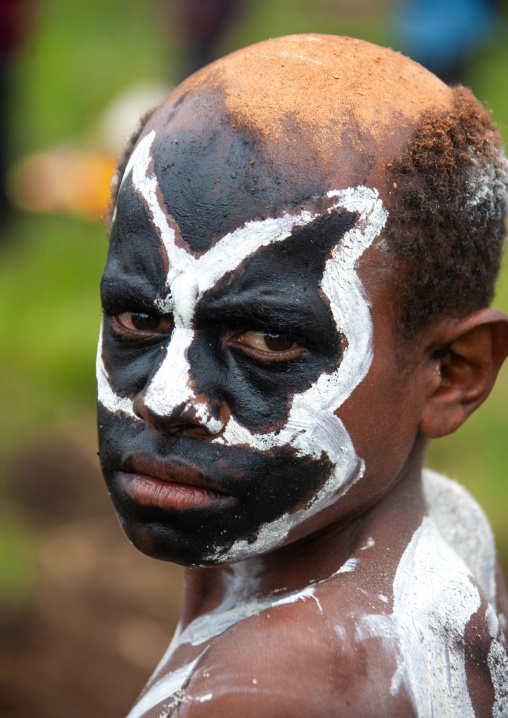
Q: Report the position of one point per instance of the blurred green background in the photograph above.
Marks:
(77, 56)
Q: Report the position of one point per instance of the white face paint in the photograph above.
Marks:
(312, 428)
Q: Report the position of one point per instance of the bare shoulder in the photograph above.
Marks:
(415, 636)
(453, 657)
(464, 526)
(295, 659)
(431, 645)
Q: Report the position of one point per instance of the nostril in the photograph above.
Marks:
(195, 413)
(140, 409)
(187, 415)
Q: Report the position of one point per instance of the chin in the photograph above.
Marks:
(183, 544)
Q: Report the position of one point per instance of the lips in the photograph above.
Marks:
(168, 483)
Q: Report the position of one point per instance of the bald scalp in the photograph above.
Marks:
(316, 112)
(311, 93)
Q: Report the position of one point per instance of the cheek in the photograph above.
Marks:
(130, 366)
(259, 395)
(115, 431)
(381, 420)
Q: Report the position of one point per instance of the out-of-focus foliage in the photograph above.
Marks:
(49, 276)
(81, 54)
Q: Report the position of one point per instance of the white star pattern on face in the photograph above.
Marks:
(312, 428)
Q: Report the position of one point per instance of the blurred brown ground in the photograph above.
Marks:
(101, 614)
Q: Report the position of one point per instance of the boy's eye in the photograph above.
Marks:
(266, 341)
(140, 322)
(267, 345)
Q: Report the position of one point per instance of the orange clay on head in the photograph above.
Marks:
(332, 89)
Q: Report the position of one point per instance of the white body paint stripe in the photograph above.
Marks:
(464, 526)
(498, 666)
(163, 689)
(434, 599)
(309, 592)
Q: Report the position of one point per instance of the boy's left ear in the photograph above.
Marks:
(462, 374)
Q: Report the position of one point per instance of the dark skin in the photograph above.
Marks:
(302, 657)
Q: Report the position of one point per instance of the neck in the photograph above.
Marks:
(311, 559)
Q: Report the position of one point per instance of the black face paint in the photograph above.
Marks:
(216, 175)
(276, 289)
(262, 486)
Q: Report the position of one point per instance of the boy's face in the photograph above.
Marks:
(249, 394)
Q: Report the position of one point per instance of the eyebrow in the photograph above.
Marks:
(127, 293)
(276, 313)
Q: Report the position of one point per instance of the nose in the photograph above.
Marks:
(170, 403)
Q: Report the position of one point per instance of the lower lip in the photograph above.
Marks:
(149, 491)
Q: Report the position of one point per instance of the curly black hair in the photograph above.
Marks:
(449, 204)
(447, 213)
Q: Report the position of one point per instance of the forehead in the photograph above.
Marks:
(310, 221)
(273, 126)
(214, 175)
(277, 260)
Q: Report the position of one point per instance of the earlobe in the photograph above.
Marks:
(463, 375)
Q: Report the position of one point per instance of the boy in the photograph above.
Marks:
(303, 251)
